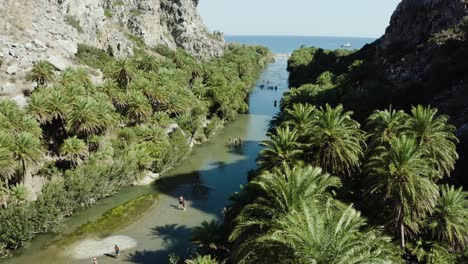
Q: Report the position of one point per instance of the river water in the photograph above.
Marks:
(206, 178)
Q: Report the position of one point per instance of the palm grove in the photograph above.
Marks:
(334, 189)
(88, 140)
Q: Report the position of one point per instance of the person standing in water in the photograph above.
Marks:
(181, 202)
(95, 260)
(117, 251)
(240, 141)
(183, 205)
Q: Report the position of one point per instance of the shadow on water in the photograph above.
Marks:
(169, 234)
(208, 190)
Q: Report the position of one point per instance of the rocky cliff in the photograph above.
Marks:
(32, 30)
(424, 53)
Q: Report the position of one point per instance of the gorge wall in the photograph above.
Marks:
(32, 30)
(424, 54)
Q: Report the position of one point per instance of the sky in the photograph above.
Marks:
(347, 18)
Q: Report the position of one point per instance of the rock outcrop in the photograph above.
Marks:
(424, 53)
(32, 30)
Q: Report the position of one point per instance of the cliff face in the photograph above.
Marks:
(425, 55)
(32, 30)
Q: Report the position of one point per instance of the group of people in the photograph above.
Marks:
(269, 87)
(235, 142)
(117, 254)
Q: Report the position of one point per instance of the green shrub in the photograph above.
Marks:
(93, 57)
(164, 50)
(17, 226)
(108, 13)
(136, 40)
(136, 12)
(117, 218)
(74, 22)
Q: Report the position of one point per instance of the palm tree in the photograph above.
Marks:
(58, 105)
(175, 105)
(78, 76)
(83, 119)
(7, 163)
(282, 147)
(147, 63)
(28, 152)
(138, 109)
(42, 73)
(123, 72)
(199, 259)
(116, 95)
(318, 234)
(39, 107)
(279, 193)
(433, 132)
(74, 150)
(209, 235)
(10, 114)
(449, 222)
(383, 126)
(300, 117)
(402, 176)
(335, 141)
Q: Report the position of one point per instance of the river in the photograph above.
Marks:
(206, 179)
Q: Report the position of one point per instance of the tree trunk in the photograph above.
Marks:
(401, 223)
(402, 235)
(23, 166)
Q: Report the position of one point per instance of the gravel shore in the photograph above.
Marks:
(91, 247)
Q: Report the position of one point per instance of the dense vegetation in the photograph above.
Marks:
(87, 140)
(333, 186)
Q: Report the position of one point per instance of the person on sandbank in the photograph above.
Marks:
(181, 202)
(117, 251)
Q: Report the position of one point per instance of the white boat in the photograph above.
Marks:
(346, 45)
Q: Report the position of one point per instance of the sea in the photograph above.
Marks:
(287, 44)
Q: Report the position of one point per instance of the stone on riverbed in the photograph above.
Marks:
(95, 248)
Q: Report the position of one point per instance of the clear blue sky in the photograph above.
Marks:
(350, 18)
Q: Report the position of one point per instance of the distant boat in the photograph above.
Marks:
(346, 45)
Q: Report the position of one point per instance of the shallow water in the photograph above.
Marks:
(206, 179)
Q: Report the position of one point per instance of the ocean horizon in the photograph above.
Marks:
(287, 44)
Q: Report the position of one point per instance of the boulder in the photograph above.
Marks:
(20, 100)
(68, 46)
(58, 62)
(39, 43)
(8, 88)
(12, 69)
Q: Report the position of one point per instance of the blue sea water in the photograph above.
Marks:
(287, 44)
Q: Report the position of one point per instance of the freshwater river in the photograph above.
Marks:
(206, 179)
